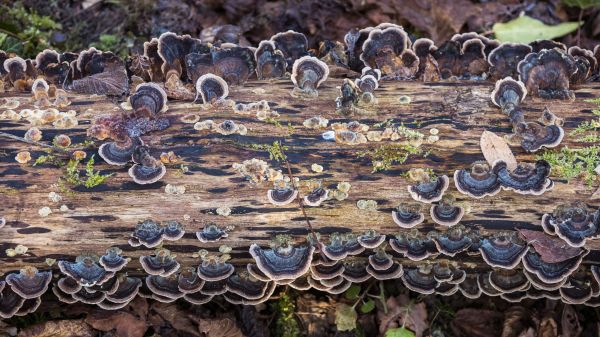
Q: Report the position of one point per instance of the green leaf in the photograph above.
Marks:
(367, 306)
(583, 4)
(525, 29)
(345, 317)
(399, 332)
(352, 292)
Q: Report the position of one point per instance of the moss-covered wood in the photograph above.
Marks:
(105, 215)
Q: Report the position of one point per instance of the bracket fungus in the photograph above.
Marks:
(52, 66)
(282, 195)
(270, 61)
(113, 261)
(371, 239)
(246, 286)
(413, 245)
(316, 197)
(165, 287)
(10, 303)
(547, 73)
(355, 270)
(172, 49)
(446, 213)
(284, 261)
(428, 66)
(162, 263)
(574, 223)
(341, 246)
(388, 49)
(293, 45)
(16, 69)
(189, 281)
(408, 215)
(504, 59)
(469, 287)
(325, 272)
(215, 268)
(128, 289)
(428, 188)
(85, 270)
(420, 279)
(146, 169)
(526, 178)
(68, 285)
(508, 280)
(29, 282)
(477, 183)
(455, 240)
(308, 73)
(119, 152)
(548, 272)
(211, 88)
(211, 233)
(503, 250)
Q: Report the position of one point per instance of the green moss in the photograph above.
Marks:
(385, 156)
(92, 178)
(570, 163)
(275, 150)
(286, 324)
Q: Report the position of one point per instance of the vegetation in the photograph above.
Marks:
(25, 32)
(286, 324)
(383, 157)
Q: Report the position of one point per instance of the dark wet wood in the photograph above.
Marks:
(105, 216)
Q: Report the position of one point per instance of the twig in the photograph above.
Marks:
(32, 142)
(314, 235)
(362, 296)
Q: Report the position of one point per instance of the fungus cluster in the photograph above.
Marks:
(150, 233)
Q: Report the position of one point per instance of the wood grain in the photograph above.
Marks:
(105, 215)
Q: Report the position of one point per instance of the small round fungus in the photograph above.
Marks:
(23, 157)
(446, 213)
(307, 75)
(211, 233)
(149, 100)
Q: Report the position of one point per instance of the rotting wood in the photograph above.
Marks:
(106, 215)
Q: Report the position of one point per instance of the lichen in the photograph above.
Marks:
(568, 163)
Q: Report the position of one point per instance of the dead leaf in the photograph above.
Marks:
(176, 317)
(476, 323)
(569, 322)
(515, 322)
(123, 323)
(112, 81)
(401, 312)
(495, 148)
(65, 328)
(527, 333)
(548, 327)
(551, 249)
(595, 195)
(219, 327)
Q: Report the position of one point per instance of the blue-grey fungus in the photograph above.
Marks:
(198, 298)
(308, 73)
(453, 241)
(119, 153)
(162, 263)
(281, 196)
(167, 287)
(211, 88)
(146, 169)
(85, 270)
(428, 189)
(29, 283)
(477, 183)
(211, 233)
(128, 288)
(148, 233)
(284, 261)
(413, 245)
(68, 285)
(508, 280)
(189, 282)
(504, 59)
(408, 215)
(89, 296)
(503, 250)
(316, 197)
(446, 213)
(323, 272)
(420, 279)
(355, 270)
(526, 178)
(575, 223)
(293, 46)
(113, 260)
(172, 230)
(370, 239)
(550, 272)
(470, 287)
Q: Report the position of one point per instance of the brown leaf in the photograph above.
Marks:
(569, 322)
(476, 323)
(548, 327)
(176, 317)
(495, 148)
(551, 249)
(401, 312)
(123, 323)
(595, 195)
(112, 82)
(65, 328)
(219, 327)
(515, 320)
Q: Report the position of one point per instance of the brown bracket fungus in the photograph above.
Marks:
(428, 189)
(355, 270)
(127, 290)
(16, 68)
(539, 45)
(211, 233)
(293, 45)
(68, 285)
(146, 169)
(281, 196)
(85, 270)
(477, 183)
(308, 73)
(29, 282)
(247, 287)
(446, 213)
(408, 215)
(235, 65)
(473, 61)
(198, 298)
(214, 288)
(119, 152)
(284, 261)
(172, 49)
(547, 73)
(574, 223)
(349, 96)
(469, 287)
(587, 64)
(164, 287)
(162, 263)
(428, 67)
(382, 266)
(270, 61)
(388, 49)
(504, 59)
(113, 261)
(10, 303)
(503, 250)
(527, 178)
(508, 280)
(420, 279)
(49, 64)
(212, 88)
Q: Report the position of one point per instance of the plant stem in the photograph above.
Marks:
(32, 142)
(362, 296)
(300, 202)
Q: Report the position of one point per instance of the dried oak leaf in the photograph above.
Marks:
(569, 322)
(401, 312)
(551, 249)
(123, 323)
(176, 317)
(516, 321)
(548, 327)
(477, 323)
(219, 327)
(495, 148)
(65, 328)
(112, 81)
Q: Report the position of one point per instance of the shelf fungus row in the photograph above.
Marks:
(150, 233)
(446, 213)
